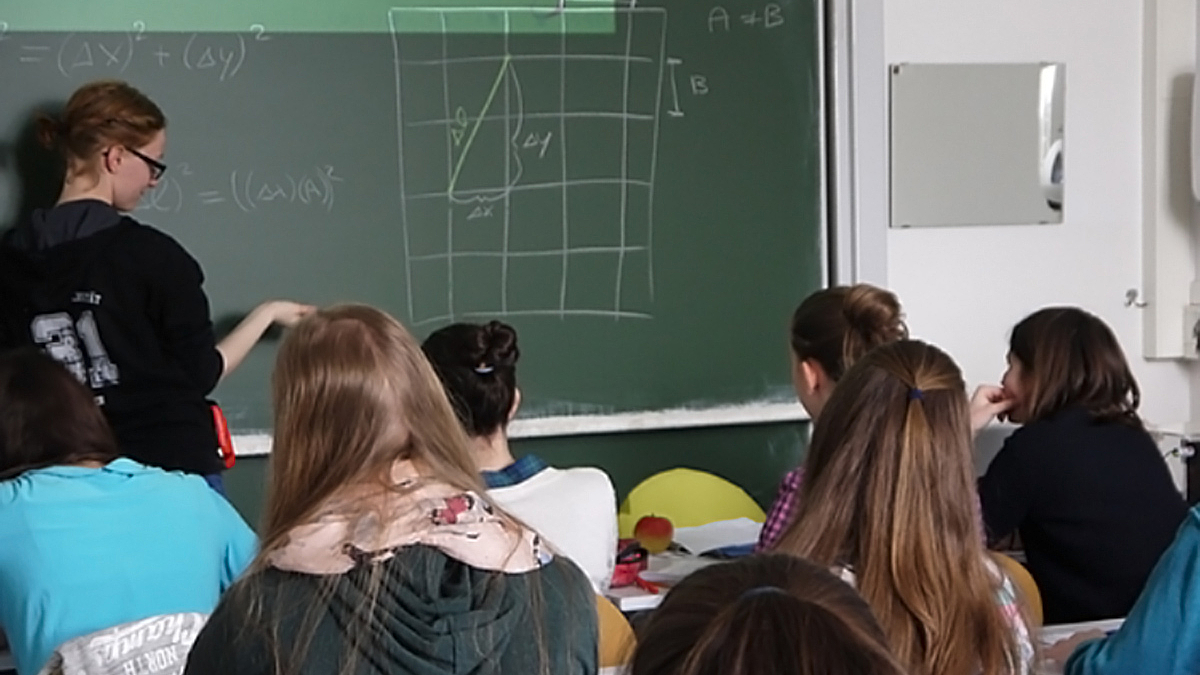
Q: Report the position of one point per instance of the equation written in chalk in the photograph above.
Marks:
(247, 190)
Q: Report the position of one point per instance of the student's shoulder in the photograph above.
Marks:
(1192, 521)
(185, 490)
(1067, 425)
(581, 481)
(567, 579)
(584, 484)
(1028, 438)
(151, 241)
(588, 478)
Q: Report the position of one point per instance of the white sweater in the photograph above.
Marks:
(573, 509)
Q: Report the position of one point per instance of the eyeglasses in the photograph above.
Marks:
(157, 168)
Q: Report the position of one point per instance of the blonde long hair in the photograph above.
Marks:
(889, 489)
(353, 394)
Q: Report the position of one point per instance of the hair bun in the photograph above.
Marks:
(49, 129)
(873, 314)
(499, 345)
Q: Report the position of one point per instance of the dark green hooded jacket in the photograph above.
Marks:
(434, 616)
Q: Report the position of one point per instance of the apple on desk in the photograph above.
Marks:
(655, 533)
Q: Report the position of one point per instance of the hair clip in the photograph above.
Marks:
(484, 369)
(915, 394)
(761, 590)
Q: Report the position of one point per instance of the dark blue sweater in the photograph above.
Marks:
(1095, 507)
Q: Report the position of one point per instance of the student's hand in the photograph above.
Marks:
(287, 313)
(987, 402)
(1060, 651)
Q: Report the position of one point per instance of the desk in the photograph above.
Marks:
(1051, 634)
(664, 569)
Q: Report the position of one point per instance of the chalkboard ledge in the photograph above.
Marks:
(259, 444)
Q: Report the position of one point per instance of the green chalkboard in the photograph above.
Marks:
(636, 187)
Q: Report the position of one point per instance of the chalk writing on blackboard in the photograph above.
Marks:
(674, 110)
(311, 188)
(247, 190)
(768, 17)
(110, 52)
(518, 168)
(86, 55)
(34, 53)
(718, 18)
(225, 56)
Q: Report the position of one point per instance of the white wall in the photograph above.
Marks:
(964, 287)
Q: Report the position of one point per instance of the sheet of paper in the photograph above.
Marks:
(736, 532)
(1052, 634)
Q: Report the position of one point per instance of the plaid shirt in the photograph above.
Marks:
(783, 510)
(518, 472)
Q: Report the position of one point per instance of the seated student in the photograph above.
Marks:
(831, 329)
(889, 504)
(380, 554)
(763, 615)
(89, 540)
(574, 509)
(157, 645)
(1162, 633)
(1082, 480)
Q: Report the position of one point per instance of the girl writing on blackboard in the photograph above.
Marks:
(831, 329)
(119, 303)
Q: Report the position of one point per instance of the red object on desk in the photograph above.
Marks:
(645, 585)
(631, 560)
(224, 440)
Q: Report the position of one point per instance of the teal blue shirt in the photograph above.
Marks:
(85, 549)
(1162, 633)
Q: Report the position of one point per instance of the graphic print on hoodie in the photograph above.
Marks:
(122, 306)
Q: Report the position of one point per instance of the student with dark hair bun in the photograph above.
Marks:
(830, 330)
(88, 540)
(574, 509)
(1081, 480)
(763, 615)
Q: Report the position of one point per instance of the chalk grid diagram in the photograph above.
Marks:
(527, 161)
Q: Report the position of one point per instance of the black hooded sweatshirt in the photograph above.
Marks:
(120, 304)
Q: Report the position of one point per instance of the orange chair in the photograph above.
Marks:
(616, 635)
(1027, 591)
